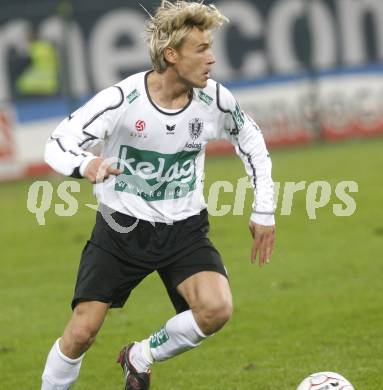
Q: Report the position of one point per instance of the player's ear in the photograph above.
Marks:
(170, 55)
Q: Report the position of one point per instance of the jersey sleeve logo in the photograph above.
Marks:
(238, 117)
(205, 97)
(133, 96)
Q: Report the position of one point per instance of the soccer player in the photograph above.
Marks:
(149, 182)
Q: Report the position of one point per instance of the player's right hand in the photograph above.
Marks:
(263, 242)
(98, 170)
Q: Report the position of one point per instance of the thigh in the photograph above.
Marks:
(203, 258)
(103, 277)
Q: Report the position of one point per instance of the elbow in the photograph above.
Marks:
(55, 159)
(48, 154)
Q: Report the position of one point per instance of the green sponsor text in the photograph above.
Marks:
(156, 176)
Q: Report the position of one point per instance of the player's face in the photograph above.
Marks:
(195, 58)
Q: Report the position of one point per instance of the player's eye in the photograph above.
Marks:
(203, 48)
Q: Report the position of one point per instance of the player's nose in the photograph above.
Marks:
(211, 58)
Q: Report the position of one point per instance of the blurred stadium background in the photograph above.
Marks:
(305, 69)
(310, 72)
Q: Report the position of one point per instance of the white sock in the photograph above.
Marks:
(140, 356)
(179, 334)
(60, 371)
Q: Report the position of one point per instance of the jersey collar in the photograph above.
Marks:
(158, 108)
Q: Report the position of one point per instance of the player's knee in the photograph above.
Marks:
(214, 315)
(83, 336)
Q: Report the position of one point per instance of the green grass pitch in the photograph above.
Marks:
(316, 307)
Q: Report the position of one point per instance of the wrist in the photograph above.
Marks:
(265, 219)
(85, 163)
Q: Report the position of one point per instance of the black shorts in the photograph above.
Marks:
(113, 263)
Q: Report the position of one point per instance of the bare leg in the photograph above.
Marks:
(64, 360)
(209, 297)
(81, 330)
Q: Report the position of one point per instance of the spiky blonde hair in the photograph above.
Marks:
(171, 23)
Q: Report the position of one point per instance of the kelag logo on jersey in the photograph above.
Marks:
(156, 176)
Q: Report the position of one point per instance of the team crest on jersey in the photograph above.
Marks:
(195, 128)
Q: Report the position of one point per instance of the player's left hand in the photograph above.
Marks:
(263, 244)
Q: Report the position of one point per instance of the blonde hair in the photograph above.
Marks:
(171, 23)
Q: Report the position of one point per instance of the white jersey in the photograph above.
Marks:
(161, 152)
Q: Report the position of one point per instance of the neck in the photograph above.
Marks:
(167, 90)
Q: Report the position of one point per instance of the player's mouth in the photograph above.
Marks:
(207, 75)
